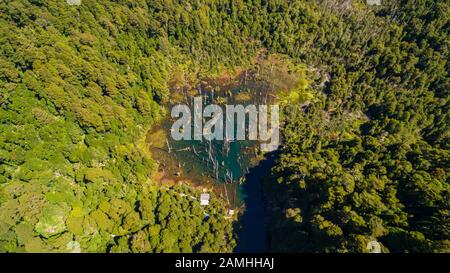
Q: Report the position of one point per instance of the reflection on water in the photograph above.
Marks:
(206, 163)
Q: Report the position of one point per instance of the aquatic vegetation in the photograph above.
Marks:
(365, 111)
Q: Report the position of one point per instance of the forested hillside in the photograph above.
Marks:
(371, 160)
(367, 158)
(80, 86)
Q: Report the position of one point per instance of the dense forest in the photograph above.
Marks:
(370, 161)
(365, 152)
(80, 86)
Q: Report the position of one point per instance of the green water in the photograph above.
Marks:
(236, 161)
(219, 163)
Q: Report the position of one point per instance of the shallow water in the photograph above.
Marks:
(230, 168)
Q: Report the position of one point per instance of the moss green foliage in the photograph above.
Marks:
(366, 153)
(80, 85)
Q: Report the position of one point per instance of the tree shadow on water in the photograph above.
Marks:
(252, 225)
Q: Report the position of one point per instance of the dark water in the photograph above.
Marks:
(234, 167)
(252, 230)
